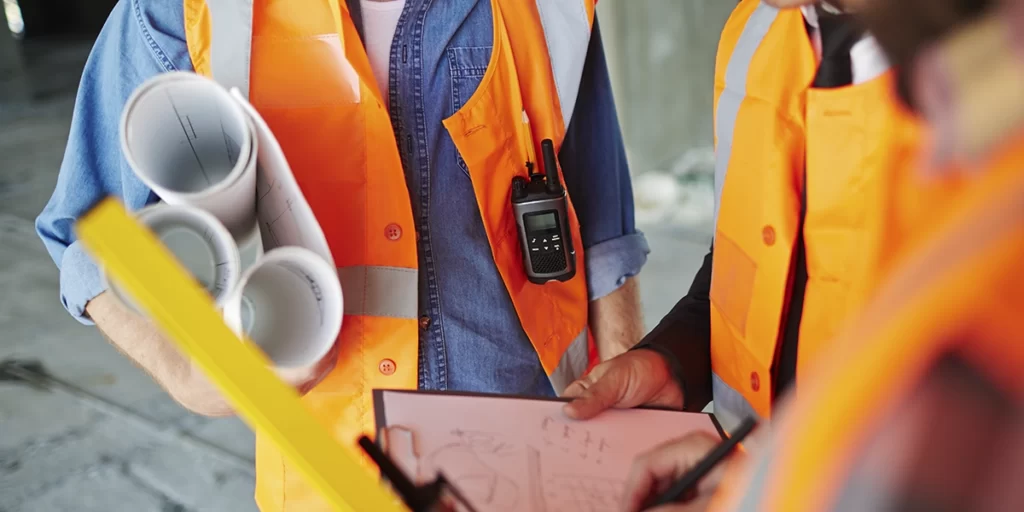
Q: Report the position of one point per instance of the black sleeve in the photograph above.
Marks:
(683, 338)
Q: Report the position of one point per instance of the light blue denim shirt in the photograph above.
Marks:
(473, 340)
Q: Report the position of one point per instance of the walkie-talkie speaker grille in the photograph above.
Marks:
(548, 263)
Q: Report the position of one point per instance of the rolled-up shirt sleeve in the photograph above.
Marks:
(593, 159)
(139, 40)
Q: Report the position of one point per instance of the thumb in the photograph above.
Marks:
(601, 391)
(580, 385)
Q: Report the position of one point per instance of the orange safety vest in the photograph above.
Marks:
(769, 127)
(303, 67)
(960, 291)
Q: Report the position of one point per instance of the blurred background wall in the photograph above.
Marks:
(662, 53)
(92, 433)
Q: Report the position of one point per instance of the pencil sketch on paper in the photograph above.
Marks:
(484, 486)
(578, 493)
(485, 442)
(574, 439)
(465, 463)
(275, 209)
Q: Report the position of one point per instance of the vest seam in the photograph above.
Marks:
(360, 401)
(158, 53)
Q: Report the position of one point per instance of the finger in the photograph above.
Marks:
(579, 386)
(646, 480)
(599, 396)
(582, 384)
(640, 486)
(699, 504)
(664, 464)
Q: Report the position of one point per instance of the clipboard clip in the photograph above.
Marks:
(436, 496)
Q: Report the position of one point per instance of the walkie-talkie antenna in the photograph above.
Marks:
(547, 148)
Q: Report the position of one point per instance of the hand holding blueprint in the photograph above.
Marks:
(203, 149)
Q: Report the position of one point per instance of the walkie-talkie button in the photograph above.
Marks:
(558, 247)
(534, 249)
(556, 238)
(533, 240)
(546, 248)
(544, 241)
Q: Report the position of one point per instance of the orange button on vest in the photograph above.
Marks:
(303, 67)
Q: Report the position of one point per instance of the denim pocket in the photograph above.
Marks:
(468, 66)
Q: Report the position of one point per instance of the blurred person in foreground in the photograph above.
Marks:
(808, 135)
(919, 405)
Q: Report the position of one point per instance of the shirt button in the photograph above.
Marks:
(424, 322)
(393, 232)
(755, 381)
(768, 235)
(386, 367)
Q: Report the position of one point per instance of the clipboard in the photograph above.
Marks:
(512, 453)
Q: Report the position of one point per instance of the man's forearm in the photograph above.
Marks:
(140, 341)
(616, 320)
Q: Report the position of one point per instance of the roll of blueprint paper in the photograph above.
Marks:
(199, 242)
(199, 146)
(190, 142)
(289, 303)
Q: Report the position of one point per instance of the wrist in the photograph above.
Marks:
(197, 394)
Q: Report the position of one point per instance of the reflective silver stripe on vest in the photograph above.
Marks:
(567, 33)
(231, 42)
(380, 291)
(755, 492)
(730, 406)
(574, 362)
(736, 90)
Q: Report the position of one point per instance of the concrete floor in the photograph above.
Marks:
(101, 436)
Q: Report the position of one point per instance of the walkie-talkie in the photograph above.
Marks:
(541, 207)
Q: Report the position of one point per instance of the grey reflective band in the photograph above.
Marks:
(390, 292)
(755, 490)
(231, 42)
(573, 363)
(735, 91)
(731, 408)
(567, 30)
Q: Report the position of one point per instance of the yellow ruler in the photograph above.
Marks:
(137, 261)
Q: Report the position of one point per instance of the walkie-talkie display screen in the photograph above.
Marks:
(541, 222)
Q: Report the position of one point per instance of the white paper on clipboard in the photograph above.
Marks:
(517, 454)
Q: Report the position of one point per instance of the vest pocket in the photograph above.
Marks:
(468, 65)
(732, 282)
